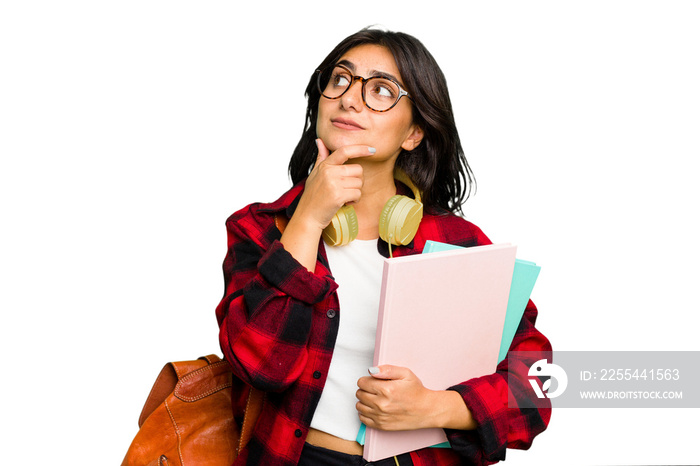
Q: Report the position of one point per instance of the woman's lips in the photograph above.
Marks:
(343, 123)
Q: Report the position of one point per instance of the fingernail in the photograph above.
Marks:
(372, 150)
(374, 370)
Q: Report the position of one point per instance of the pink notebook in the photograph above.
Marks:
(441, 315)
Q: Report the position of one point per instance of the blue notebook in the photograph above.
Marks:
(525, 275)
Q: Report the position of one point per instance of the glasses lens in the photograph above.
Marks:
(334, 84)
(381, 94)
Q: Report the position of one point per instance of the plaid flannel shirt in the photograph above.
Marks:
(278, 324)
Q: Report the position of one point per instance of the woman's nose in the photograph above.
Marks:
(353, 96)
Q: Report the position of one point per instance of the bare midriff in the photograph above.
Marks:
(331, 442)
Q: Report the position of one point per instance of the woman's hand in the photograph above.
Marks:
(331, 184)
(393, 398)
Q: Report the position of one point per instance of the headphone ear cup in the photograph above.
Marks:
(343, 227)
(398, 223)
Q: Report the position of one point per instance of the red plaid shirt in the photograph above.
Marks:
(278, 324)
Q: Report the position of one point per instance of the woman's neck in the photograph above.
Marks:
(377, 189)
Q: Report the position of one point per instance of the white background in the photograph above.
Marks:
(130, 130)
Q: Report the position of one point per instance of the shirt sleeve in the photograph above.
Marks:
(265, 315)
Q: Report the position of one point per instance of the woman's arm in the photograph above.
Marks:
(330, 185)
(265, 315)
(271, 286)
(393, 398)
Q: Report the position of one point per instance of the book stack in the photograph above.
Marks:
(449, 315)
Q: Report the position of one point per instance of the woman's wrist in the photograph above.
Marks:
(451, 412)
(300, 239)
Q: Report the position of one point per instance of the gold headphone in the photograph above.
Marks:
(398, 222)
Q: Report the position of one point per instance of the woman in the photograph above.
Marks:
(297, 316)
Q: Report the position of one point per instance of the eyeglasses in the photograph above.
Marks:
(379, 93)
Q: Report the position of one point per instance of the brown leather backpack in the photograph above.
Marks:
(188, 418)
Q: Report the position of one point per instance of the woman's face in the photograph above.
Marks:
(346, 120)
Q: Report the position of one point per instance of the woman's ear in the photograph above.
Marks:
(414, 138)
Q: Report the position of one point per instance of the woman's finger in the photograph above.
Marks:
(350, 176)
(323, 151)
(345, 153)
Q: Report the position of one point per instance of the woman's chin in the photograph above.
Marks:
(337, 141)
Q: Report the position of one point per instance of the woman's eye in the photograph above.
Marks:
(340, 80)
(384, 92)
(381, 89)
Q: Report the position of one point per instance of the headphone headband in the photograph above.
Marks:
(401, 176)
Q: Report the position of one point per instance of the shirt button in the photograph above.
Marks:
(297, 433)
(317, 375)
(330, 313)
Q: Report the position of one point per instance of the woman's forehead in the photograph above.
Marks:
(370, 59)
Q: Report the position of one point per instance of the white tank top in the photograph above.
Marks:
(357, 268)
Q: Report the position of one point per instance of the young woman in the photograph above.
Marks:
(298, 317)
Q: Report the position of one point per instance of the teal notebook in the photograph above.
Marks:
(525, 275)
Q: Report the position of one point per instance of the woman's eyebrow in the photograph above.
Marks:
(347, 64)
(384, 74)
(372, 73)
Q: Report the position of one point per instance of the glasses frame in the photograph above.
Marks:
(364, 81)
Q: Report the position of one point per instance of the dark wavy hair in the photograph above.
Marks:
(437, 166)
